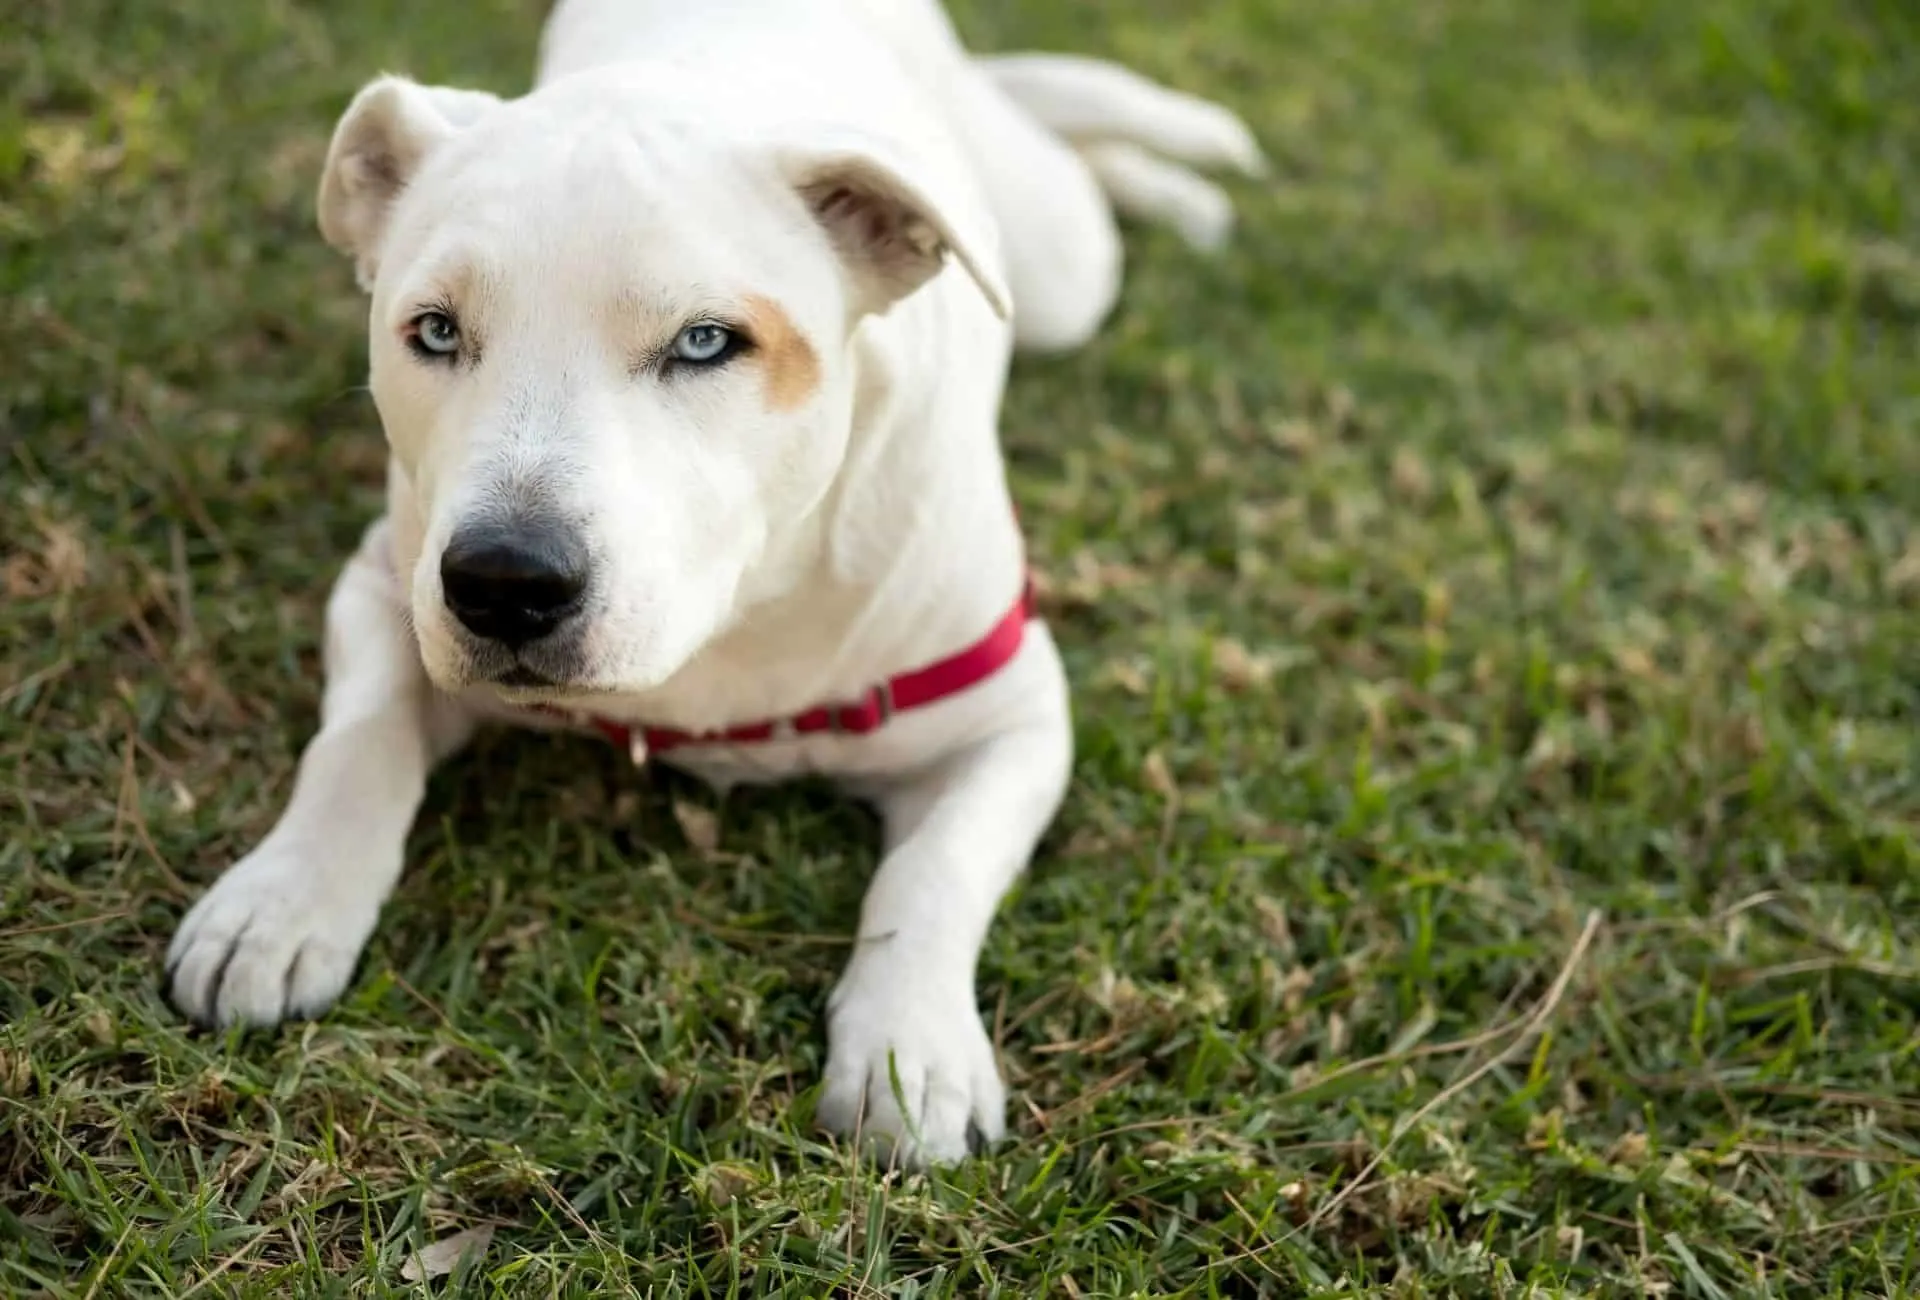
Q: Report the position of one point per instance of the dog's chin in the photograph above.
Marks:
(558, 673)
(524, 682)
(518, 679)
(459, 669)
(520, 684)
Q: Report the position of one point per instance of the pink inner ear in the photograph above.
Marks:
(890, 247)
(871, 218)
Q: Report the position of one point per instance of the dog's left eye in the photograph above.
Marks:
(705, 344)
(435, 335)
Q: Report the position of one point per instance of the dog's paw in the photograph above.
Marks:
(267, 943)
(910, 1070)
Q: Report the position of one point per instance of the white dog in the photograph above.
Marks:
(690, 362)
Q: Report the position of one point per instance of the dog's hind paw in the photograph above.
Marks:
(267, 943)
(910, 1070)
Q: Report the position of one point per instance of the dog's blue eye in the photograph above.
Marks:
(703, 344)
(436, 334)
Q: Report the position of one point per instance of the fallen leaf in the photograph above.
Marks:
(1238, 667)
(20, 576)
(1293, 988)
(1411, 478)
(1093, 579)
(16, 1073)
(1273, 921)
(1629, 1149)
(1295, 436)
(444, 1255)
(64, 554)
(1636, 662)
(1125, 675)
(1158, 776)
(723, 1183)
(700, 825)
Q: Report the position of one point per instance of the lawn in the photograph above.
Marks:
(1492, 590)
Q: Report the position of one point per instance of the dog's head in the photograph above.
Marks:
(609, 342)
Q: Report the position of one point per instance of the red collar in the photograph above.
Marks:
(922, 686)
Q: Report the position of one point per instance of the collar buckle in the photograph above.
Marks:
(873, 712)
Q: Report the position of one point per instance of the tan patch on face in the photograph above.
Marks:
(791, 370)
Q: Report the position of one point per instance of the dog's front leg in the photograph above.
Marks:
(279, 934)
(910, 1068)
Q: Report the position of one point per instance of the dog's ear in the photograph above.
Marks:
(383, 137)
(893, 223)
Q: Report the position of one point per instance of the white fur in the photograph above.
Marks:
(751, 559)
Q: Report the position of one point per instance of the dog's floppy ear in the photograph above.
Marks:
(894, 223)
(383, 137)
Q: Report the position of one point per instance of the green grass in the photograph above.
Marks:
(1521, 525)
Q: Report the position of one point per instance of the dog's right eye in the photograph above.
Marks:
(705, 344)
(434, 335)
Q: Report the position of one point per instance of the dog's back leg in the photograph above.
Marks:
(1089, 101)
(1061, 142)
(1062, 248)
(1141, 139)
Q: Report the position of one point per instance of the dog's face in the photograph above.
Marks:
(609, 342)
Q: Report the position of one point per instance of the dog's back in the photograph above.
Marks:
(1057, 143)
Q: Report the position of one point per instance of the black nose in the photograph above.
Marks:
(513, 584)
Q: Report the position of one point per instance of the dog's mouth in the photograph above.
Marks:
(523, 685)
(520, 677)
(539, 670)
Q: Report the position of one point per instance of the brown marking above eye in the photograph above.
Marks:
(791, 370)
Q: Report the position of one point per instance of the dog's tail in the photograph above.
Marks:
(1141, 140)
